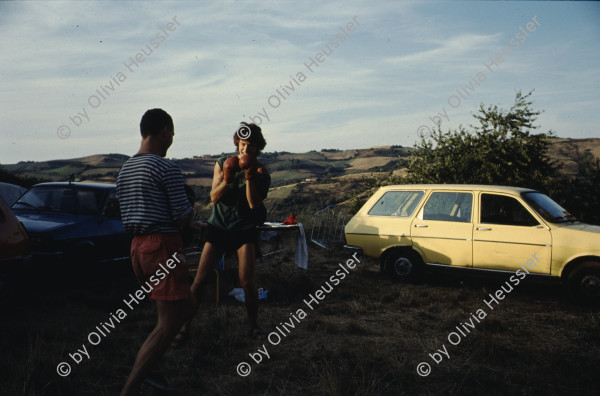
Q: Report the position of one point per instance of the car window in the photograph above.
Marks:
(63, 199)
(501, 209)
(90, 201)
(547, 208)
(449, 206)
(33, 198)
(397, 203)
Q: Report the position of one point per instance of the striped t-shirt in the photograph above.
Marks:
(151, 195)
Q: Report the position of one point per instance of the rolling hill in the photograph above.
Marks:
(301, 182)
(285, 167)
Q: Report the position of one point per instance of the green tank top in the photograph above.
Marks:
(233, 212)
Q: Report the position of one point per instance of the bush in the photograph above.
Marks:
(503, 150)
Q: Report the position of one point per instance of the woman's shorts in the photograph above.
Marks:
(228, 240)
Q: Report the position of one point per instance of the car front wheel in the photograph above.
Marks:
(584, 283)
(403, 266)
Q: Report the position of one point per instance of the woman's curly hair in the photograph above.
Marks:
(256, 137)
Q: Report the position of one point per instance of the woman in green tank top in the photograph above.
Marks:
(240, 185)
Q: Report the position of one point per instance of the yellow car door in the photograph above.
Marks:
(507, 234)
(443, 228)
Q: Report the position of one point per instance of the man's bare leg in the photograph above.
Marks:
(208, 261)
(171, 315)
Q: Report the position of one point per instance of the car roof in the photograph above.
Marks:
(473, 187)
(102, 186)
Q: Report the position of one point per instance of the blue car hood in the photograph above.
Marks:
(42, 222)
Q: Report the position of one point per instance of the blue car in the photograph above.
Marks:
(73, 223)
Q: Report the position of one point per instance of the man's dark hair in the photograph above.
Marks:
(153, 121)
(256, 137)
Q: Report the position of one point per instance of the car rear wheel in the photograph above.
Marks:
(584, 283)
(403, 265)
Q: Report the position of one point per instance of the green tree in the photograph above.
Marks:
(23, 181)
(581, 195)
(500, 150)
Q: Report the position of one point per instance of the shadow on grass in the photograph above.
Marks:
(365, 337)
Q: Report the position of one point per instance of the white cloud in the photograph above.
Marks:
(225, 59)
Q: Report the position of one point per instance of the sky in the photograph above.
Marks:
(314, 75)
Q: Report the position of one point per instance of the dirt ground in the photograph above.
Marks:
(367, 336)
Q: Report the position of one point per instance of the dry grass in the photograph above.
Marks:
(567, 151)
(363, 164)
(365, 338)
(199, 181)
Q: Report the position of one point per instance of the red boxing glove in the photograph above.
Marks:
(230, 167)
(247, 161)
(258, 169)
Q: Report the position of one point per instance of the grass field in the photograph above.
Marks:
(366, 337)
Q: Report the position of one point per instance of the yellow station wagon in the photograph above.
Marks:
(479, 227)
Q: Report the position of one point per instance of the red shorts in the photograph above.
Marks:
(158, 266)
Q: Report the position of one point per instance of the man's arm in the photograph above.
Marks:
(181, 210)
(186, 220)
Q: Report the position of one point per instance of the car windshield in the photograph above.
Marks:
(65, 199)
(547, 208)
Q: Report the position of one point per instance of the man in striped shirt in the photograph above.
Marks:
(154, 207)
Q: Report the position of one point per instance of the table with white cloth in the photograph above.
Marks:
(266, 231)
(269, 228)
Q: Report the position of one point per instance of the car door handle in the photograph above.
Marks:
(483, 229)
(421, 225)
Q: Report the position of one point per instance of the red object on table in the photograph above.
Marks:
(290, 220)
